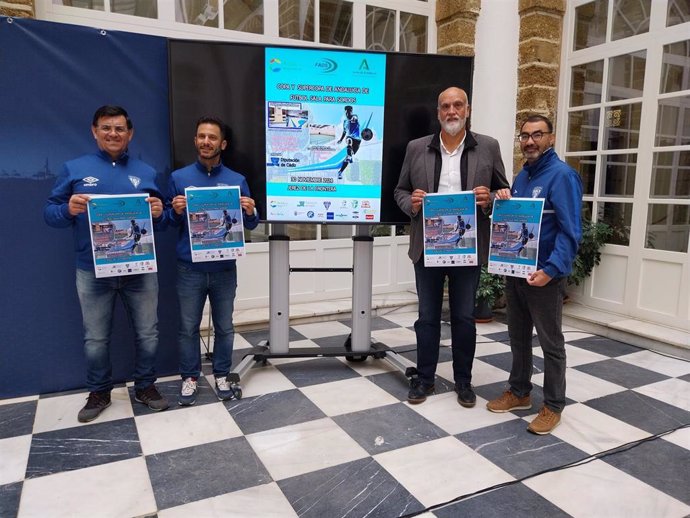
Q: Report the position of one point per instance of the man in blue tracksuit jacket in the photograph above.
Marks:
(215, 279)
(109, 171)
(538, 300)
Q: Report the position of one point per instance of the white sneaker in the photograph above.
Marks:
(188, 392)
(224, 390)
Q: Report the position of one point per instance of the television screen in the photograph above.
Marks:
(293, 144)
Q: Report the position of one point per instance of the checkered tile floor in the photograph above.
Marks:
(322, 437)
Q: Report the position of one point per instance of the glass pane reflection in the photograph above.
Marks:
(586, 167)
(335, 22)
(296, 19)
(675, 71)
(626, 76)
(586, 83)
(380, 29)
(583, 130)
(673, 121)
(590, 24)
(622, 125)
(413, 33)
(630, 17)
(671, 175)
(618, 216)
(618, 178)
(668, 227)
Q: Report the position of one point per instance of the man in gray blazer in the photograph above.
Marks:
(453, 160)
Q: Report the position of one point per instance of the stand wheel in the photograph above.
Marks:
(237, 390)
(356, 359)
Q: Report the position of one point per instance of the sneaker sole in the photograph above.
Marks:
(546, 432)
(502, 411)
(149, 406)
(185, 404)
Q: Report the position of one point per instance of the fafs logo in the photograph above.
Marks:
(326, 65)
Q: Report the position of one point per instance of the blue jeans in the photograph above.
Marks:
(462, 286)
(139, 294)
(541, 307)
(192, 289)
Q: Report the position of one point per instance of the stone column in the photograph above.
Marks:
(539, 57)
(17, 8)
(456, 22)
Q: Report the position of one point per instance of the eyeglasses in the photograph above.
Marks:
(536, 136)
(120, 130)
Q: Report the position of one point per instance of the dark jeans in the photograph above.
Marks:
(192, 289)
(462, 285)
(139, 293)
(541, 307)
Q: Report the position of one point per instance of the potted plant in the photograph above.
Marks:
(489, 290)
(594, 236)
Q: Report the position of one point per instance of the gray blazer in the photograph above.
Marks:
(421, 170)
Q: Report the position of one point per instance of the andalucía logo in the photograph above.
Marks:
(364, 65)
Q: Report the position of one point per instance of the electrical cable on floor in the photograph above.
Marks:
(581, 462)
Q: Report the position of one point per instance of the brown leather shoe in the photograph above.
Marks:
(509, 401)
(545, 421)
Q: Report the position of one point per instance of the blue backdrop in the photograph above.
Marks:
(52, 79)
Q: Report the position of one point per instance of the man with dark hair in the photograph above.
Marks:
(215, 279)
(353, 138)
(453, 160)
(110, 171)
(538, 300)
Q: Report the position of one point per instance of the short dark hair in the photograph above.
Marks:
(210, 119)
(348, 108)
(538, 118)
(108, 110)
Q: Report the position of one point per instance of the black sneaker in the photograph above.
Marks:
(419, 391)
(466, 395)
(151, 398)
(95, 404)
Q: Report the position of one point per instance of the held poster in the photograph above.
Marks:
(121, 235)
(450, 235)
(515, 229)
(324, 135)
(214, 220)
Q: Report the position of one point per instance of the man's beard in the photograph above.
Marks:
(453, 127)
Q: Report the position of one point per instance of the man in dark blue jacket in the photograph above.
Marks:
(215, 279)
(110, 171)
(538, 300)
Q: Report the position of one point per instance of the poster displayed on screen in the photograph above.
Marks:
(450, 236)
(515, 229)
(214, 220)
(121, 235)
(324, 135)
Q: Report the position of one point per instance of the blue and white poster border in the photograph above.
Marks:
(214, 223)
(515, 232)
(450, 229)
(121, 231)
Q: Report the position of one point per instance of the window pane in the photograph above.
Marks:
(197, 12)
(673, 122)
(590, 24)
(296, 19)
(630, 17)
(301, 231)
(622, 126)
(244, 15)
(583, 130)
(678, 12)
(380, 27)
(380, 231)
(413, 33)
(586, 83)
(402, 230)
(671, 175)
(668, 227)
(626, 76)
(258, 235)
(96, 5)
(586, 168)
(335, 22)
(587, 213)
(675, 68)
(144, 8)
(618, 216)
(618, 175)
(336, 231)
